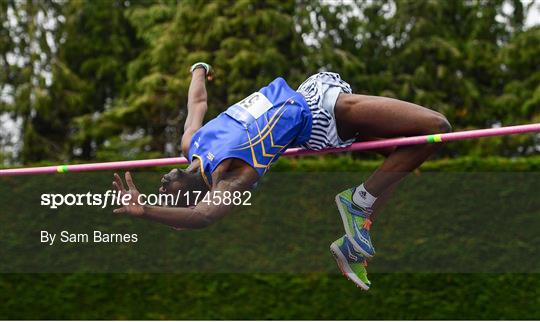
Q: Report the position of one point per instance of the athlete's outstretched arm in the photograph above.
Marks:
(197, 104)
(203, 215)
(185, 218)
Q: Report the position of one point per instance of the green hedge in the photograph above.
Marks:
(276, 296)
(462, 164)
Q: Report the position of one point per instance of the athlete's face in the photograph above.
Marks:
(180, 185)
(171, 183)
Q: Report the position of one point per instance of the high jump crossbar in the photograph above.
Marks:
(359, 146)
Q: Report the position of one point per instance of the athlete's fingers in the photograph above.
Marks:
(129, 181)
(117, 188)
(118, 183)
(119, 210)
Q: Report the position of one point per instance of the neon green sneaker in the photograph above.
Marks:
(351, 263)
(356, 222)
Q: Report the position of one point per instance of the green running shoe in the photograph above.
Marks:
(351, 263)
(356, 222)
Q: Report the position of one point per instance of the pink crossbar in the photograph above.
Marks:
(359, 146)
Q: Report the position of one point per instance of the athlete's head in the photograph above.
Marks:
(178, 182)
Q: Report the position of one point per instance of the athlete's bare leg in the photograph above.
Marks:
(385, 196)
(360, 116)
(372, 116)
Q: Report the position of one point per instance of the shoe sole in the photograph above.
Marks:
(345, 268)
(343, 215)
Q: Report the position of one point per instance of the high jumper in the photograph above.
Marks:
(231, 152)
(234, 150)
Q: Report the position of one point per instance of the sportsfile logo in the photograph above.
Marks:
(117, 199)
(109, 198)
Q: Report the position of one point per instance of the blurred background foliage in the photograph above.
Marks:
(108, 79)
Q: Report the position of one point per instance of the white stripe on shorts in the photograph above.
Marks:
(323, 130)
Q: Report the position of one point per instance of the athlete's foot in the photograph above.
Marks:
(351, 263)
(356, 222)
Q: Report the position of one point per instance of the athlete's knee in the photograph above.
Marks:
(444, 125)
(438, 123)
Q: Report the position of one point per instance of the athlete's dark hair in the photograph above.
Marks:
(192, 180)
(178, 182)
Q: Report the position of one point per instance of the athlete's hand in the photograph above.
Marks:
(208, 70)
(132, 207)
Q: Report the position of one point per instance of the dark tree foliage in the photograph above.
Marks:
(249, 43)
(108, 79)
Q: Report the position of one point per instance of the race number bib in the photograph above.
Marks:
(250, 108)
